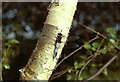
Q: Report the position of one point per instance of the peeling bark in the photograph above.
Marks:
(41, 63)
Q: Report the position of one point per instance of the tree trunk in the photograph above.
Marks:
(56, 28)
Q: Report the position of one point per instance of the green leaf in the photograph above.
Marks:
(77, 72)
(93, 65)
(112, 40)
(69, 71)
(72, 77)
(112, 32)
(82, 56)
(103, 51)
(87, 46)
(119, 47)
(111, 47)
(94, 49)
(14, 41)
(81, 78)
(6, 66)
(69, 77)
(105, 71)
(1, 37)
(89, 52)
(80, 65)
(5, 52)
(75, 63)
(95, 44)
(100, 64)
(5, 60)
(8, 44)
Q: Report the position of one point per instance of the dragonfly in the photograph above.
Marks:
(70, 43)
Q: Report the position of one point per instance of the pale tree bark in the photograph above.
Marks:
(59, 19)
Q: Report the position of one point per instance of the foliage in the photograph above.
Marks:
(104, 48)
(8, 52)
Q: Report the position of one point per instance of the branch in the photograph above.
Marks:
(101, 69)
(75, 51)
(91, 29)
(60, 73)
(97, 33)
(95, 54)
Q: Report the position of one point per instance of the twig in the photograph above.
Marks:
(95, 54)
(101, 69)
(60, 73)
(55, 75)
(75, 51)
(91, 29)
(96, 33)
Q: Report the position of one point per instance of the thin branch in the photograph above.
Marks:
(96, 33)
(95, 54)
(75, 51)
(101, 69)
(60, 73)
(84, 67)
(57, 74)
(91, 29)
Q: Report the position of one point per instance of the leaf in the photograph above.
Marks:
(1, 37)
(89, 52)
(5, 52)
(75, 65)
(100, 64)
(119, 47)
(95, 44)
(14, 41)
(7, 44)
(112, 40)
(80, 65)
(69, 77)
(87, 46)
(112, 32)
(103, 51)
(93, 65)
(72, 77)
(93, 48)
(6, 66)
(77, 72)
(82, 56)
(81, 78)
(111, 47)
(5, 60)
(105, 71)
(69, 71)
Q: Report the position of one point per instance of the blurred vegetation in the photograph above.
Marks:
(23, 22)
